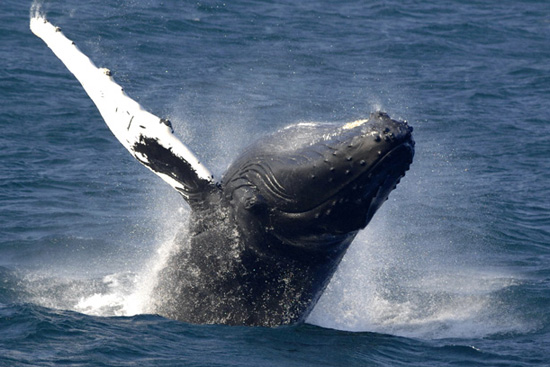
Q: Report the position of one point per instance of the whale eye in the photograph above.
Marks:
(252, 201)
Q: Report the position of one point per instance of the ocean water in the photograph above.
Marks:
(453, 270)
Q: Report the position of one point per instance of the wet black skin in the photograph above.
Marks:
(262, 246)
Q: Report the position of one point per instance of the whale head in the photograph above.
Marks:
(316, 185)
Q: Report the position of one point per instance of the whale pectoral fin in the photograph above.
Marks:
(148, 138)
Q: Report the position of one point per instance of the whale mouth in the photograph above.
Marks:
(350, 208)
(369, 185)
(386, 174)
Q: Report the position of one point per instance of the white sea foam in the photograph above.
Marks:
(374, 291)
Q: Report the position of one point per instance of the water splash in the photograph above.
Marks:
(126, 293)
(373, 292)
(412, 273)
(36, 10)
(129, 293)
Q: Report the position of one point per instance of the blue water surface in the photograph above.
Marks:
(453, 270)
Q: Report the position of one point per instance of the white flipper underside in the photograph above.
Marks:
(128, 121)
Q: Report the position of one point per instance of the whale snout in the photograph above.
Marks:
(369, 140)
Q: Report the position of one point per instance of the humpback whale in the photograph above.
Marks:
(263, 241)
